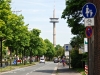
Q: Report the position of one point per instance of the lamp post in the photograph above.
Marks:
(1, 51)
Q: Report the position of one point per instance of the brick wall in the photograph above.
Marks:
(97, 39)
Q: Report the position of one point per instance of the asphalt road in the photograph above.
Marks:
(38, 69)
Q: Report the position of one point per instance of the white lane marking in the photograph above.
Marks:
(31, 72)
(42, 67)
(54, 72)
(37, 69)
(27, 73)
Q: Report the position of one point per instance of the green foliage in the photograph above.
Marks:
(77, 41)
(76, 59)
(16, 36)
(59, 50)
(74, 16)
(50, 50)
(4, 13)
(37, 44)
(85, 57)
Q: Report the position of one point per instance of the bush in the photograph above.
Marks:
(76, 59)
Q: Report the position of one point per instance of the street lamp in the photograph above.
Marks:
(1, 51)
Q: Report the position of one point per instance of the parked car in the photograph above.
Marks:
(56, 60)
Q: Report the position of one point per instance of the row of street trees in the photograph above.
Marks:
(19, 40)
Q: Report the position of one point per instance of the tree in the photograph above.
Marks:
(5, 12)
(59, 50)
(50, 50)
(76, 42)
(37, 44)
(41, 47)
(74, 16)
(34, 40)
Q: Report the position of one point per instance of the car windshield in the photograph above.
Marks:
(42, 59)
(56, 59)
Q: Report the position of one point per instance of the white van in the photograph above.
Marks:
(42, 59)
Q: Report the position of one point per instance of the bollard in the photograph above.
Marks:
(86, 69)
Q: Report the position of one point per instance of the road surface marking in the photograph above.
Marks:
(55, 69)
(41, 67)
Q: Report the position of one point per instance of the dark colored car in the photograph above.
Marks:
(56, 60)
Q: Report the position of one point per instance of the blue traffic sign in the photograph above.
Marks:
(66, 48)
(89, 32)
(89, 10)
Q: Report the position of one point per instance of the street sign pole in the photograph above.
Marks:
(69, 59)
(89, 11)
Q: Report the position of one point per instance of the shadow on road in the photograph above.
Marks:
(66, 70)
(45, 71)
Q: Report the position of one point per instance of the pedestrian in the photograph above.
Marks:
(63, 62)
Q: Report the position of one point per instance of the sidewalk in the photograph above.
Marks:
(65, 70)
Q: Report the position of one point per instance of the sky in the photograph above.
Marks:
(37, 13)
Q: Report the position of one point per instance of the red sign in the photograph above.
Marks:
(88, 31)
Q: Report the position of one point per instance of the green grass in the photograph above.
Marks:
(8, 68)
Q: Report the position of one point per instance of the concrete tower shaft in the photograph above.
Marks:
(54, 29)
(54, 20)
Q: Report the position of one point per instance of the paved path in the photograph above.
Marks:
(65, 70)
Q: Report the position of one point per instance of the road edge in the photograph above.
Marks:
(55, 70)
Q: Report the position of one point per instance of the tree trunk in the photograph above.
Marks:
(10, 48)
(31, 57)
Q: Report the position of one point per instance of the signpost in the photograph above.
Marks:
(68, 47)
(89, 11)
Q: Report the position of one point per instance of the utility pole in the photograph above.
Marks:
(1, 51)
(16, 12)
(94, 43)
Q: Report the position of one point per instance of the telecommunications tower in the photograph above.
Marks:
(54, 20)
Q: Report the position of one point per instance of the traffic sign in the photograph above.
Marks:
(89, 21)
(89, 10)
(85, 45)
(89, 32)
(67, 48)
